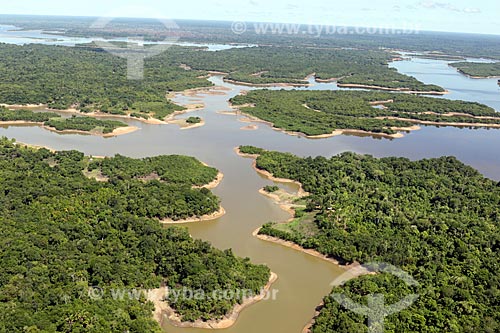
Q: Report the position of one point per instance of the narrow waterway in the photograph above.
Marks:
(303, 279)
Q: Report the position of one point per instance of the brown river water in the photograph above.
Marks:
(303, 280)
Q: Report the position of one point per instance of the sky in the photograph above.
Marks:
(480, 16)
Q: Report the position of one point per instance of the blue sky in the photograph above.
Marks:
(480, 16)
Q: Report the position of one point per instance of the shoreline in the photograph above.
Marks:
(475, 77)
(435, 123)
(99, 114)
(205, 218)
(268, 85)
(300, 193)
(289, 209)
(214, 183)
(334, 133)
(164, 311)
(185, 125)
(116, 132)
(403, 90)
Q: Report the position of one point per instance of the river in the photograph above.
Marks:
(303, 280)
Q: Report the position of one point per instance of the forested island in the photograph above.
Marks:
(288, 65)
(478, 70)
(65, 233)
(90, 80)
(435, 218)
(326, 113)
(55, 122)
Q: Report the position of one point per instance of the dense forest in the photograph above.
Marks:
(455, 44)
(90, 80)
(173, 169)
(264, 65)
(322, 112)
(437, 219)
(55, 121)
(63, 233)
(478, 69)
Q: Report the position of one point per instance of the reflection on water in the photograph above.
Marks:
(303, 280)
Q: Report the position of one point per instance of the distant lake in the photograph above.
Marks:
(12, 35)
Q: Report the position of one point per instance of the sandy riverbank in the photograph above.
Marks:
(404, 90)
(435, 123)
(301, 192)
(268, 85)
(355, 269)
(250, 128)
(250, 118)
(476, 77)
(213, 184)
(184, 125)
(164, 312)
(117, 132)
(286, 206)
(209, 217)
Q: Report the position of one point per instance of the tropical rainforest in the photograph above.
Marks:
(55, 121)
(437, 219)
(322, 112)
(267, 65)
(89, 79)
(63, 233)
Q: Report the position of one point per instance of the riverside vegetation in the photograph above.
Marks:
(55, 121)
(90, 80)
(322, 112)
(63, 233)
(478, 69)
(271, 65)
(435, 218)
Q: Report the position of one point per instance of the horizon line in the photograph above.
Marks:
(229, 22)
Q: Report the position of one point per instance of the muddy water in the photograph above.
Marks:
(303, 280)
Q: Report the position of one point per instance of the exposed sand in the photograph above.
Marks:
(476, 77)
(164, 311)
(21, 106)
(215, 183)
(262, 85)
(34, 146)
(374, 103)
(270, 176)
(250, 128)
(250, 118)
(117, 132)
(184, 125)
(209, 217)
(121, 131)
(196, 92)
(286, 207)
(405, 90)
(435, 123)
